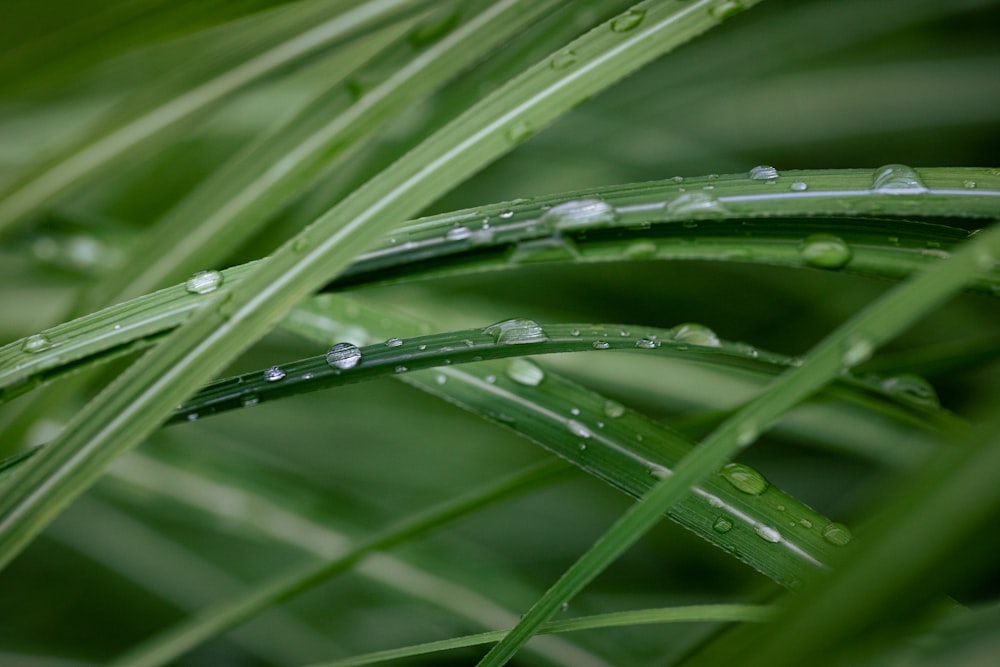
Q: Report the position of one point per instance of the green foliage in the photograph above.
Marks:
(206, 252)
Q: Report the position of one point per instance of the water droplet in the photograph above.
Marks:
(745, 478)
(563, 60)
(613, 409)
(825, 251)
(518, 132)
(722, 525)
(630, 20)
(506, 215)
(578, 429)
(193, 416)
(746, 434)
(913, 387)
(440, 379)
(767, 533)
(857, 349)
(898, 179)
(647, 343)
(640, 249)
(35, 344)
(601, 345)
(458, 233)
(798, 186)
(401, 369)
(763, 172)
(516, 331)
(250, 400)
(837, 533)
(969, 185)
(343, 356)
(805, 523)
(394, 342)
(204, 282)
(724, 10)
(699, 204)
(301, 244)
(578, 213)
(491, 379)
(273, 374)
(695, 334)
(526, 372)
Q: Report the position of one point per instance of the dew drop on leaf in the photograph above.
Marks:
(897, 179)
(744, 478)
(857, 349)
(578, 212)
(825, 251)
(798, 186)
(630, 20)
(343, 356)
(722, 525)
(763, 172)
(913, 387)
(273, 374)
(35, 344)
(695, 334)
(394, 342)
(578, 429)
(613, 409)
(837, 534)
(204, 282)
(767, 533)
(526, 372)
(516, 331)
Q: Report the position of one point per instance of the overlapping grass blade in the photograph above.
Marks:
(849, 345)
(176, 641)
(131, 407)
(310, 35)
(691, 614)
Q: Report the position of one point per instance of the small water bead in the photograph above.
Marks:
(613, 409)
(647, 343)
(401, 369)
(722, 525)
(250, 400)
(601, 345)
(491, 379)
(273, 374)
(837, 534)
(798, 186)
(394, 342)
(506, 215)
(857, 349)
(574, 411)
(459, 233)
(204, 282)
(523, 371)
(825, 251)
(767, 533)
(695, 334)
(913, 387)
(192, 417)
(701, 204)
(35, 344)
(745, 478)
(725, 9)
(563, 60)
(805, 523)
(516, 331)
(578, 429)
(440, 379)
(897, 179)
(343, 356)
(969, 185)
(763, 172)
(630, 20)
(579, 212)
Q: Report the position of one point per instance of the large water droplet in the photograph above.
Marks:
(695, 334)
(204, 282)
(35, 344)
(394, 342)
(698, 204)
(798, 186)
(516, 331)
(912, 387)
(763, 172)
(578, 429)
(825, 251)
(577, 213)
(647, 343)
(857, 349)
(630, 20)
(722, 525)
(526, 372)
(343, 356)
(767, 533)
(744, 478)
(837, 533)
(898, 179)
(273, 374)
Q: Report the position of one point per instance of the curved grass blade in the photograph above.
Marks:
(57, 176)
(721, 613)
(205, 492)
(850, 344)
(176, 641)
(141, 397)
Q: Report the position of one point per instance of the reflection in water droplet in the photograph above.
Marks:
(744, 478)
(526, 372)
(516, 331)
(628, 21)
(837, 533)
(897, 179)
(273, 374)
(825, 251)
(343, 356)
(763, 172)
(204, 282)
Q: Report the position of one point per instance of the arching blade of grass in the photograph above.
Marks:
(724, 613)
(86, 161)
(140, 398)
(205, 492)
(232, 204)
(169, 645)
(902, 565)
(847, 346)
